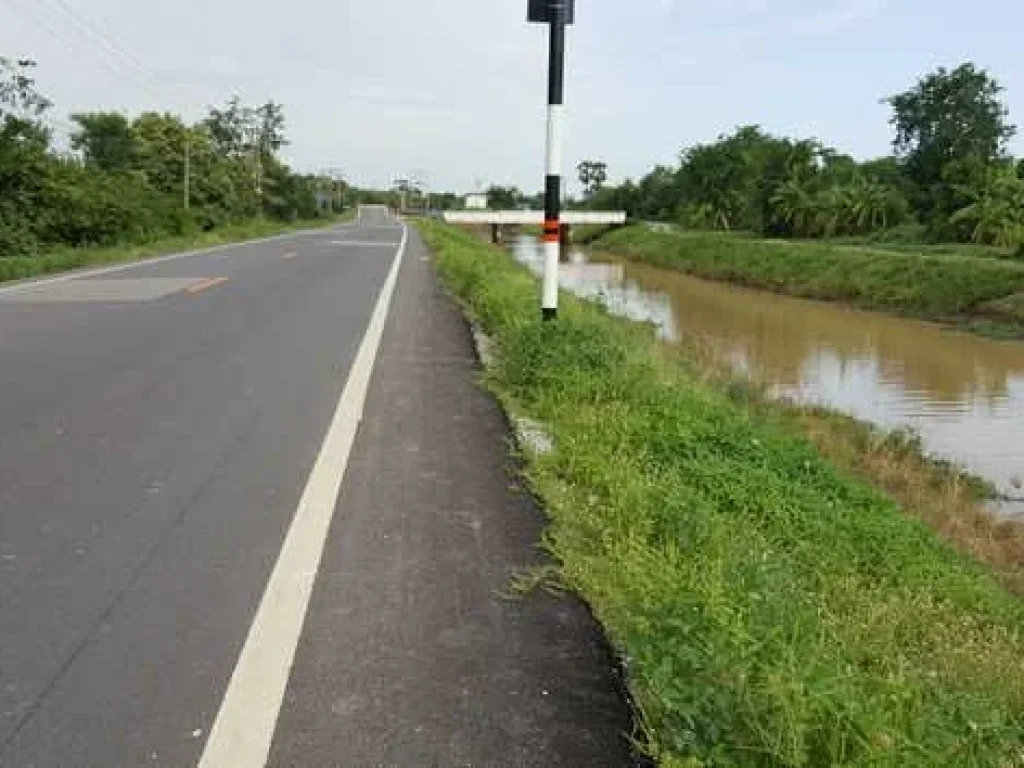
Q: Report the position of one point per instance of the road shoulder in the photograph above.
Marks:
(412, 653)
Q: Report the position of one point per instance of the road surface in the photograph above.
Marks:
(172, 439)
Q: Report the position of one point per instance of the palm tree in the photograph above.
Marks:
(834, 207)
(995, 213)
(872, 205)
(794, 208)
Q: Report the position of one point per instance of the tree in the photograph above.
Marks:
(289, 196)
(106, 140)
(994, 209)
(795, 209)
(230, 129)
(658, 194)
(503, 198)
(24, 160)
(19, 98)
(710, 185)
(624, 197)
(592, 174)
(250, 136)
(161, 142)
(445, 201)
(730, 184)
(270, 128)
(873, 205)
(948, 116)
(221, 186)
(128, 184)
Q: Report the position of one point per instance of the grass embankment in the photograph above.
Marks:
(986, 294)
(774, 609)
(66, 259)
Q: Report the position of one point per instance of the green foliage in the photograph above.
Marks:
(951, 135)
(106, 139)
(993, 207)
(860, 206)
(947, 117)
(376, 197)
(23, 154)
(128, 184)
(445, 201)
(504, 198)
(19, 97)
(657, 196)
(753, 181)
(773, 610)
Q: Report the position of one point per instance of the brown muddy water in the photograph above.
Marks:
(963, 394)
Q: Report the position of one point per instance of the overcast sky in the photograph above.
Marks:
(455, 89)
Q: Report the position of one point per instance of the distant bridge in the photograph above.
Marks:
(527, 218)
(569, 219)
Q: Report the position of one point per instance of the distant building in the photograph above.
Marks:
(477, 201)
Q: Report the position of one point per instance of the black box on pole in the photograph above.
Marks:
(542, 11)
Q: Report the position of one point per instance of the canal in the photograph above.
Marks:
(963, 394)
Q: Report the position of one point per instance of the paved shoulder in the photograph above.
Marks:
(410, 655)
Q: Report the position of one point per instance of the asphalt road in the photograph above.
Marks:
(254, 511)
(157, 428)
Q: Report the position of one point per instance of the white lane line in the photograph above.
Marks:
(23, 285)
(244, 728)
(362, 243)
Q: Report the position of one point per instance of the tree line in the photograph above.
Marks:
(949, 177)
(136, 179)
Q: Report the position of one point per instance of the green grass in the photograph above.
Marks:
(774, 609)
(936, 285)
(911, 238)
(65, 259)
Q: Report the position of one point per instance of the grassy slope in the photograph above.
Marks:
(924, 284)
(64, 259)
(774, 610)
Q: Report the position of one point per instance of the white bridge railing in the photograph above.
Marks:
(533, 217)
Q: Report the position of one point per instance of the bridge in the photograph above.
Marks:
(526, 218)
(499, 219)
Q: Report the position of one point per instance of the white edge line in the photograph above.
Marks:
(25, 285)
(243, 730)
(360, 244)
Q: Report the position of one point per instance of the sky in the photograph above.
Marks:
(454, 91)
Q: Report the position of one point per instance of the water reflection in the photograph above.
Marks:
(963, 394)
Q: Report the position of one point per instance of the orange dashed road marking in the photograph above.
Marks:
(205, 285)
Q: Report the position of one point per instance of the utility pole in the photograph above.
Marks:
(188, 167)
(558, 14)
(337, 177)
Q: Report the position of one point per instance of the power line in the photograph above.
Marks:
(88, 28)
(55, 24)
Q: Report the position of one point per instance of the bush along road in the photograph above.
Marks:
(775, 603)
(66, 259)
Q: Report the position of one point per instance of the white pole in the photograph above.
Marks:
(553, 170)
(552, 224)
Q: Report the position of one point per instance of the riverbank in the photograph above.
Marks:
(985, 295)
(67, 259)
(773, 606)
